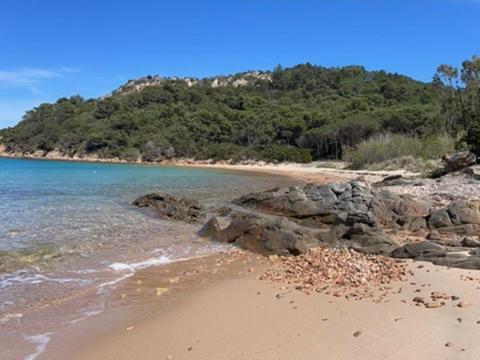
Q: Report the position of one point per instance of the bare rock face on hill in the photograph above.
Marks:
(169, 207)
(352, 215)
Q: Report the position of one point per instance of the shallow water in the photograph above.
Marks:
(68, 234)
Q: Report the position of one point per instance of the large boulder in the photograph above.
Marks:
(458, 160)
(368, 240)
(419, 250)
(263, 235)
(459, 219)
(170, 207)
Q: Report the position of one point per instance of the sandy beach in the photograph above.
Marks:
(226, 312)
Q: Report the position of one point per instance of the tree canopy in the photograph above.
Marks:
(301, 113)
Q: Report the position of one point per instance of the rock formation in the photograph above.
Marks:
(355, 216)
(169, 207)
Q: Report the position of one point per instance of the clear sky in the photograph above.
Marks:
(55, 48)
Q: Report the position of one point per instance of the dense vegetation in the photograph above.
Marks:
(399, 151)
(299, 114)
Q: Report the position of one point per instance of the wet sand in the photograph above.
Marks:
(225, 312)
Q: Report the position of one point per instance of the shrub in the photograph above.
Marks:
(223, 151)
(387, 147)
(286, 153)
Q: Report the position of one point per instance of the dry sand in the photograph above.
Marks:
(232, 315)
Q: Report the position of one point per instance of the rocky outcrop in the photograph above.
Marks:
(459, 219)
(459, 160)
(281, 236)
(455, 162)
(292, 220)
(169, 207)
(341, 203)
(351, 215)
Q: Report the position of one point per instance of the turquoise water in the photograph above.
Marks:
(51, 203)
(69, 228)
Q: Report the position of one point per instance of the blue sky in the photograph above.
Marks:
(53, 48)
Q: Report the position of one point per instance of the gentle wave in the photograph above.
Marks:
(40, 341)
(23, 277)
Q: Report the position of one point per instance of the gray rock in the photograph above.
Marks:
(439, 218)
(420, 250)
(464, 212)
(210, 229)
(459, 160)
(470, 243)
(368, 240)
(267, 236)
(170, 207)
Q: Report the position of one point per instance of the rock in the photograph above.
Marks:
(473, 172)
(160, 290)
(458, 160)
(352, 215)
(211, 228)
(349, 203)
(449, 344)
(357, 333)
(464, 212)
(433, 305)
(439, 218)
(368, 240)
(469, 242)
(420, 250)
(170, 207)
(267, 236)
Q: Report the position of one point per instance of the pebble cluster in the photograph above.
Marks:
(340, 272)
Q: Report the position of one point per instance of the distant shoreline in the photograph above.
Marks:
(308, 172)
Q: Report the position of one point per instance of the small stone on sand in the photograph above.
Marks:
(161, 290)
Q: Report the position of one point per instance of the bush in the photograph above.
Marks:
(387, 147)
(223, 151)
(286, 153)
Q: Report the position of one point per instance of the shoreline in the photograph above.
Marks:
(309, 172)
(226, 312)
(231, 314)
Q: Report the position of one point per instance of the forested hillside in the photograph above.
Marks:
(301, 113)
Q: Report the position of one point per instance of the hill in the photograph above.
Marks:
(301, 113)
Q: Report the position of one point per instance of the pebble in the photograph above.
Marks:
(448, 344)
(433, 305)
(357, 333)
(160, 290)
(347, 273)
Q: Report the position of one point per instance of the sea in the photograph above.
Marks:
(68, 228)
